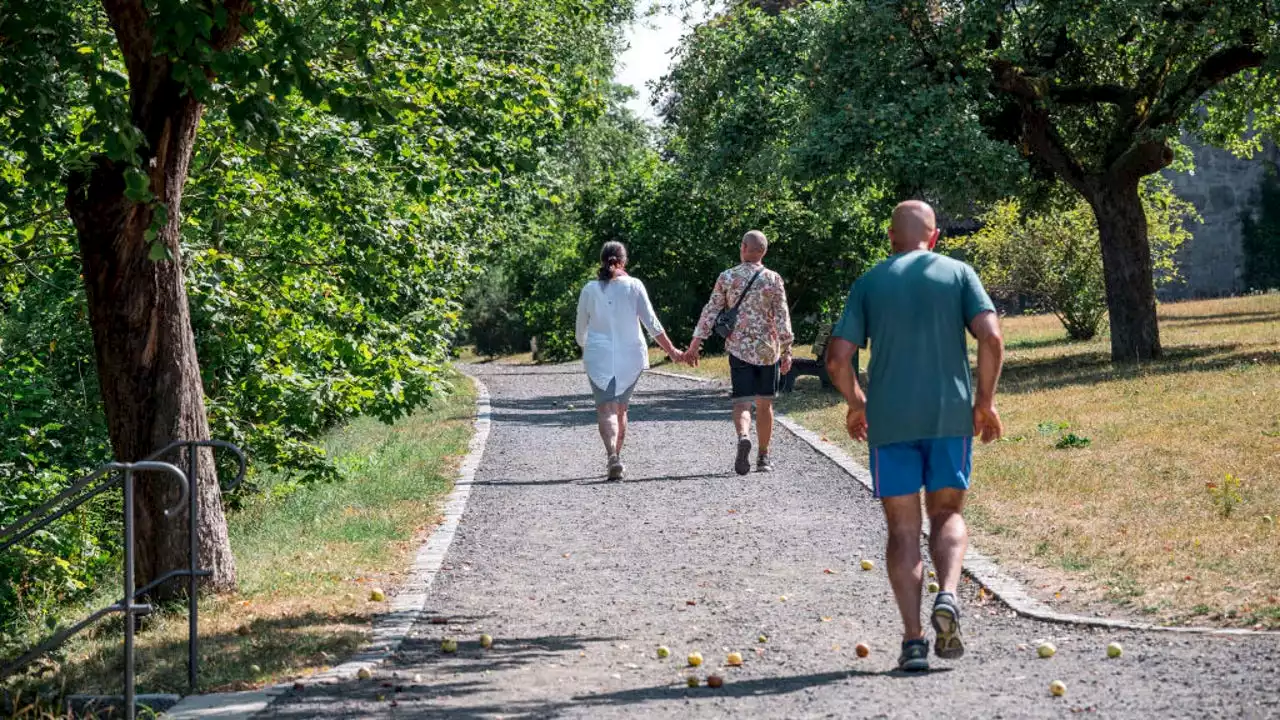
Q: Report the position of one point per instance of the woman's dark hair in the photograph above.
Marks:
(612, 257)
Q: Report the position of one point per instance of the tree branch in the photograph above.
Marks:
(1215, 69)
(1040, 140)
(1091, 94)
(129, 20)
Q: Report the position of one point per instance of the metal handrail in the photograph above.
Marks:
(96, 483)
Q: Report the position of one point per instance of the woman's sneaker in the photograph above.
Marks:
(763, 464)
(946, 621)
(915, 656)
(742, 465)
(616, 469)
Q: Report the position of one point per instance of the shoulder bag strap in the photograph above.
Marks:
(747, 289)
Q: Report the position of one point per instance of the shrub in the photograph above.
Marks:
(494, 321)
(1055, 257)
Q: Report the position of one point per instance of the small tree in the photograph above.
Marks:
(1055, 258)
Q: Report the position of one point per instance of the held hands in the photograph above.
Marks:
(986, 422)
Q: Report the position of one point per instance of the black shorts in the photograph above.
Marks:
(752, 381)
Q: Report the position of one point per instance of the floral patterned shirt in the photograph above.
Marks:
(763, 331)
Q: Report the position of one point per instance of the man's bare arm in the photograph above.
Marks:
(986, 421)
(845, 378)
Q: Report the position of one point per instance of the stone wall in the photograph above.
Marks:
(1222, 187)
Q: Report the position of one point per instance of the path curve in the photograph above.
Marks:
(579, 580)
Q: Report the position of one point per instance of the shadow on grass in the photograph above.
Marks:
(1261, 316)
(277, 646)
(1027, 376)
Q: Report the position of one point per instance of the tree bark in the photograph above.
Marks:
(1127, 270)
(138, 310)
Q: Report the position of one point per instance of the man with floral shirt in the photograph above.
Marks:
(759, 346)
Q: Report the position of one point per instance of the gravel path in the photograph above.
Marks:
(579, 580)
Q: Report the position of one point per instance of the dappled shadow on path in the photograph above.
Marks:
(599, 480)
(555, 411)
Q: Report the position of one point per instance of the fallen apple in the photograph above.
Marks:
(867, 564)
(691, 681)
(695, 659)
(486, 641)
(714, 681)
(663, 652)
(255, 669)
(364, 674)
(763, 638)
(1046, 650)
(734, 659)
(376, 595)
(933, 587)
(449, 645)
(1114, 650)
(862, 649)
(933, 574)
(1057, 688)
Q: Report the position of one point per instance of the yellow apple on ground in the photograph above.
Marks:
(1114, 650)
(663, 652)
(449, 645)
(695, 659)
(867, 564)
(1058, 688)
(691, 681)
(364, 674)
(763, 638)
(933, 574)
(376, 595)
(735, 659)
(486, 641)
(1046, 650)
(933, 587)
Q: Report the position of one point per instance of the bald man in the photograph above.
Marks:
(759, 347)
(922, 415)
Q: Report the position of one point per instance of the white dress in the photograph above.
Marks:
(608, 330)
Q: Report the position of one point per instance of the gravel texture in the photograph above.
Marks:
(579, 580)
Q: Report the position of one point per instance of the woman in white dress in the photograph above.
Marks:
(611, 310)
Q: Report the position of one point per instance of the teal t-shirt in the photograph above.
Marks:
(915, 308)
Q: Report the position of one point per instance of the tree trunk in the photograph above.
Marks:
(146, 355)
(1127, 269)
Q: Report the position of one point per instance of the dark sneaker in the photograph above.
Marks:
(763, 464)
(616, 469)
(946, 621)
(915, 656)
(743, 464)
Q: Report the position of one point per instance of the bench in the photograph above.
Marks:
(816, 368)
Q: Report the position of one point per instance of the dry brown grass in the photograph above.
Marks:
(1131, 521)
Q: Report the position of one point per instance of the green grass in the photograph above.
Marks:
(307, 560)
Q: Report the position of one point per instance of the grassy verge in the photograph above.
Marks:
(308, 560)
(1152, 490)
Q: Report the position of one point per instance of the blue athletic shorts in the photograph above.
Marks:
(903, 468)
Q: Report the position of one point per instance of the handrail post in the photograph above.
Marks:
(129, 629)
(193, 603)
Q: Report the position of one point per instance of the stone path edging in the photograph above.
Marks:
(389, 628)
(984, 570)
